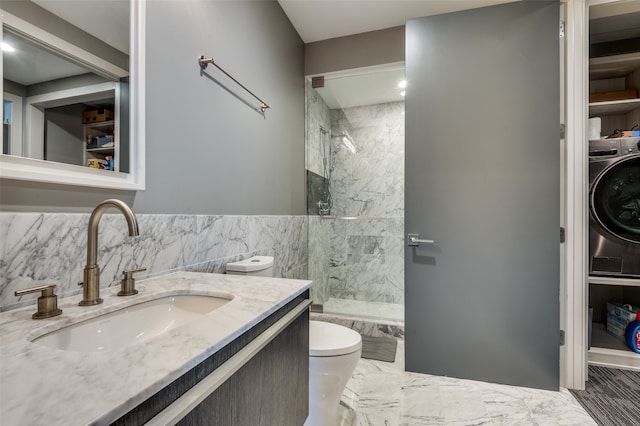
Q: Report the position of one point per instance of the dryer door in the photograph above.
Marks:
(615, 199)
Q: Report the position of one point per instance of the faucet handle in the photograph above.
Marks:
(47, 302)
(128, 283)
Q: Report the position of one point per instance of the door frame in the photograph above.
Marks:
(573, 283)
(574, 299)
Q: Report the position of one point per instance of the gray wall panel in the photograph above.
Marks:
(355, 51)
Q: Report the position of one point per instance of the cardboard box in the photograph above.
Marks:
(96, 116)
(625, 134)
(617, 95)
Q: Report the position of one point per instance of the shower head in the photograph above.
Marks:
(346, 140)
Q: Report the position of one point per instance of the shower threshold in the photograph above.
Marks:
(364, 309)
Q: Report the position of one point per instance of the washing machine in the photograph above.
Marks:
(614, 207)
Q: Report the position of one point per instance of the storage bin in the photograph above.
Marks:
(616, 326)
(105, 141)
(623, 311)
(617, 95)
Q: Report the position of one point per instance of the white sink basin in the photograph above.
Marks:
(131, 325)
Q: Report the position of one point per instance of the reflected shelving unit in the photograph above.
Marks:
(94, 150)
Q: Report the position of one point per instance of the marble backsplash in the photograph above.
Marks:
(38, 249)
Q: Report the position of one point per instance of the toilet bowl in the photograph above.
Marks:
(334, 351)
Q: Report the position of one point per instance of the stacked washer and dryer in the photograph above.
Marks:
(614, 207)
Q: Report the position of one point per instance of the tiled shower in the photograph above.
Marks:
(355, 203)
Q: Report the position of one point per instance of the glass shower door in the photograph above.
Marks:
(355, 195)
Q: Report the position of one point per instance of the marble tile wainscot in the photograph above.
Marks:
(43, 248)
(40, 384)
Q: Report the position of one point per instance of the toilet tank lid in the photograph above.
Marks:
(255, 263)
(327, 339)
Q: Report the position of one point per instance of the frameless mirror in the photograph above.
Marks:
(72, 92)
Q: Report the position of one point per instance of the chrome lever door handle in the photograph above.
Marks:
(415, 241)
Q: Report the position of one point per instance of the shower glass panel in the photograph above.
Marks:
(355, 192)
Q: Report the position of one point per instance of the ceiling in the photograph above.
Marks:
(317, 20)
(32, 63)
(363, 89)
(107, 20)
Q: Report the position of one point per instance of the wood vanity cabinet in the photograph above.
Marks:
(272, 388)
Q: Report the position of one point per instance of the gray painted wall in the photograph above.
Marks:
(355, 51)
(64, 134)
(207, 152)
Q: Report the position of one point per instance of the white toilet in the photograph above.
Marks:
(334, 351)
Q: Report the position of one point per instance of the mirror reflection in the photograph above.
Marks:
(56, 108)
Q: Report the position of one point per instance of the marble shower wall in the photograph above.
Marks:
(362, 259)
(38, 249)
(368, 179)
(367, 260)
(319, 258)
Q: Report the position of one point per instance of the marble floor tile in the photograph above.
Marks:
(381, 393)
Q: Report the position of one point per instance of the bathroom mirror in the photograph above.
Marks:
(74, 112)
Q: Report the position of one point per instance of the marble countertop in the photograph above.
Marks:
(40, 385)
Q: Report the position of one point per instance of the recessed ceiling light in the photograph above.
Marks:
(7, 47)
(402, 93)
(402, 84)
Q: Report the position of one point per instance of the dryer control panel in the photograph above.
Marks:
(616, 147)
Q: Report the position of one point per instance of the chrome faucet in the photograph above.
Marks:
(91, 283)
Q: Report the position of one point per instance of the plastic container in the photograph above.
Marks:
(590, 327)
(632, 335)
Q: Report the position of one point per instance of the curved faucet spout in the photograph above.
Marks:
(91, 283)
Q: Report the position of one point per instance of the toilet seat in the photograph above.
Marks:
(327, 339)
